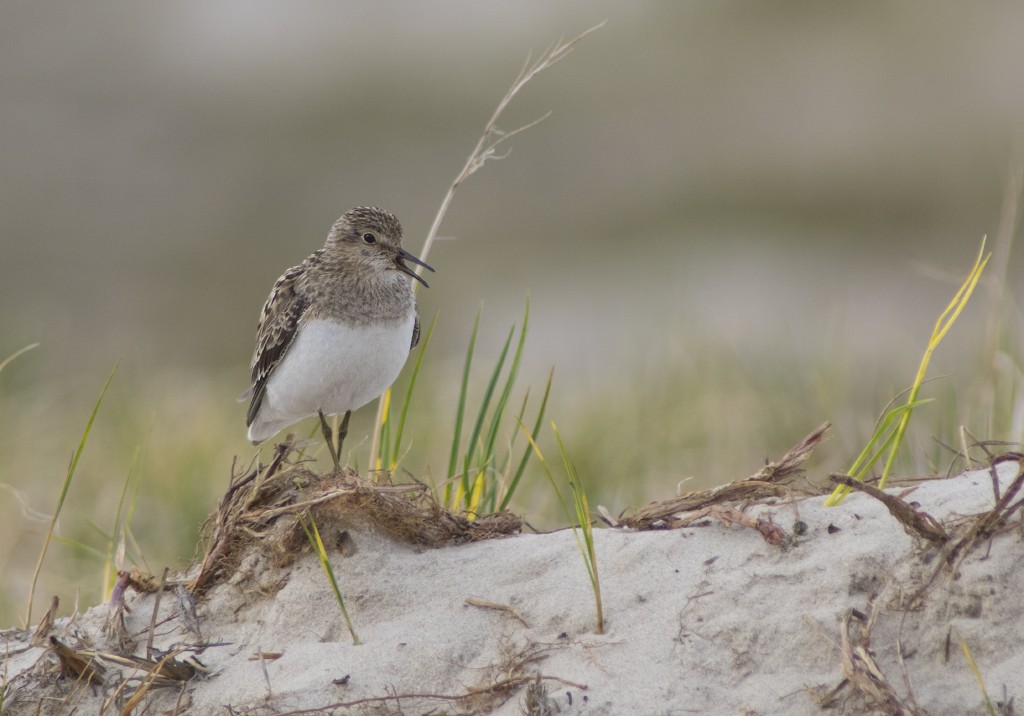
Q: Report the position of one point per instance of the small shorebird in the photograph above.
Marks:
(336, 329)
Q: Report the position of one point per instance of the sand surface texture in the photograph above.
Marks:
(708, 619)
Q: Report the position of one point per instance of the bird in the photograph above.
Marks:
(336, 329)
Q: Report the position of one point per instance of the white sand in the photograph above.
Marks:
(706, 619)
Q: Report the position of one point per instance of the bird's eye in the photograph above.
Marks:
(369, 238)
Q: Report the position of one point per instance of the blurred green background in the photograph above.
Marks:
(741, 220)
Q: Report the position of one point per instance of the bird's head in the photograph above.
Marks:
(374, 236)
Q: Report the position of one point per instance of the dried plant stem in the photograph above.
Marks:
(492, 137)
(486, 148)
(12, 356)
(503, 685)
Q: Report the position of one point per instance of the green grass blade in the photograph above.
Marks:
(499, 408)
(882, 439)
(582, 505)
(501, 466)
(397, 450)
(510, 490)
(471, 444)
(313, 535)
(460, 409)
(63, 494)
(584, 532)
(867, 458)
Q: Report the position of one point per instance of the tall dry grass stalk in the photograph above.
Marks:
(486, 149)
(1001, 362)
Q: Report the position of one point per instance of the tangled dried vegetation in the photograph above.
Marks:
(266, 504)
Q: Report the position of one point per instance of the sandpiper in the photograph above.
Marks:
(336, 329)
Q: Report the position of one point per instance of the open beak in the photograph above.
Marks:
(404, 256)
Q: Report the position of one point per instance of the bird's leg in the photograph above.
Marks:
(343, 431)
(330, 440)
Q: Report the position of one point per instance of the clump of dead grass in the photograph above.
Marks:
(265, 504)
(865, 687)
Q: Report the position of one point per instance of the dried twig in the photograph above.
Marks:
(46, 623)
(484, 604)
(502, 686)
(771, 532)
(791, 463)
(914, 522)
(78, 664)
(988, 522)
(164, 667)
(985, 525)
(766, 482)
(862, 672)
(156, 609)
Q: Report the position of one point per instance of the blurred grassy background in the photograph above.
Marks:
(740, 221)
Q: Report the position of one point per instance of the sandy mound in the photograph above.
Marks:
(849, 612)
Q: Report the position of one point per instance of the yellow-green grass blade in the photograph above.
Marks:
(473, 504)
(490, 441)
(976, 671)
(582, 505)
(881, 440)
(547, 469)
(384, 457)
(579, 530)
(407, 400)
(313, 535)
(942, 326)
(511, 489)
(76, 456)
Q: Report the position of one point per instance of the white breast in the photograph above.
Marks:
(332, 367)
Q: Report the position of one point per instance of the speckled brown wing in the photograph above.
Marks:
(279, 323)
